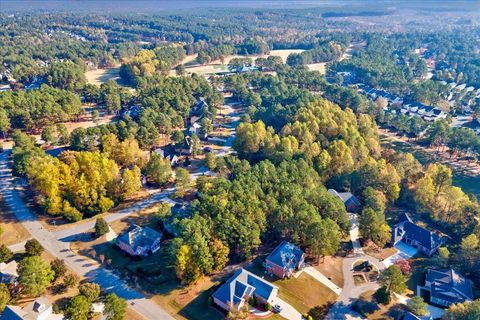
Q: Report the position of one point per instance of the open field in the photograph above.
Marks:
(320, 67)
(13, 231)
(99, 76)
(218, 66)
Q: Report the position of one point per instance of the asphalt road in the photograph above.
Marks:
(108, 280)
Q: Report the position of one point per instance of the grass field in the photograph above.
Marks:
(99, 76)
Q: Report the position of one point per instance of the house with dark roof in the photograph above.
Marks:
(285, 260)
(424, 240)
(40, 309)
(170, 156)
(139, 241)
(236, 291)
(447, 287)
(352, 204)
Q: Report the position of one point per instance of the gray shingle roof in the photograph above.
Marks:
(449, 285)
(243, 283)
(137, 236)
(286, 255)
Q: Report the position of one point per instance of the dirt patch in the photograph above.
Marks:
(331, 267)
(320, 67)
(380, 253)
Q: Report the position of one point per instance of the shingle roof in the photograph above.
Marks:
(410, 316)
(346, 197)
(286, 255)
(449, 285)
(406, 228)
(137, 236)
(243, 283)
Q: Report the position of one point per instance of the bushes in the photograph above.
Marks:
(382, 295)
(101, 227)
(5, 253)
(33, 247)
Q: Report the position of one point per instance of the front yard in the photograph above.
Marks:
(305, 293)
(368, 307)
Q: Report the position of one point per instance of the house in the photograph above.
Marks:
(352, 204)
(236, 291)
(8, 272)
(171, 156)
(200, 109)
(447, 287)
(139, 241)
(424, 240)
(285, 260)
(40, 309)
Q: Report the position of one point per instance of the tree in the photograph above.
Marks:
(70, 280)
(78, 308)
(101, 227)
(115, 307)
(210, 161)
(35, 275)
(183, 181)
(372, 226)
(469, 310)
(178, 136)
(5, 253)
(48, 134)
(392, 279)
(90, 290)
(95, 116)
(382, 295)
(33, 247)
(4, 296)
(131, 182)
(59, 268)
(404, 266)
(417, 306)
(4, 122)
(180, 69)
(442, 258)
(158, 169)
(323, 238)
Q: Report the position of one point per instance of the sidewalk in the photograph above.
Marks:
(322, 279)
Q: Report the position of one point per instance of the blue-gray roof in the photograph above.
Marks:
(139, 237)
(242, 284)
(286, 255)
(410, 316)
(406, 228)
(449, 285)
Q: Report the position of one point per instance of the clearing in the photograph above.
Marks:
(331, 267)
(99, 76)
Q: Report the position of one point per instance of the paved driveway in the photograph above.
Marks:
(404, 252)
(288, 312)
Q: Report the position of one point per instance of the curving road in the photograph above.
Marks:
(108, 280)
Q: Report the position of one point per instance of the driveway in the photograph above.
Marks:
(108, 280)
(288, 312)
(322, 279)
(404, 252)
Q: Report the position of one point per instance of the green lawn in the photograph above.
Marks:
(304, 293)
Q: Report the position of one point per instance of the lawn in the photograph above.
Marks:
(13, 231)
(373, 311)
(303, 293)
(331, 267)
(99, 76)
(155, 276)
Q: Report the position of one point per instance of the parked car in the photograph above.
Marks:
(277, 308)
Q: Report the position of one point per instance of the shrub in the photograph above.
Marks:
(101, 227)
(417, 306)
(71, 213)
(268, 306)
(382, 295)
(59, 267)
(33, 247)
(5, 253)
(210, 301)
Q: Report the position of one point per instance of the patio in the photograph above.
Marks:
(404, 252)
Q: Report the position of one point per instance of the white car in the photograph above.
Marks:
(277, 308)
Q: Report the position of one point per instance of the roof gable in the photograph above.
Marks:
(286, 255)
